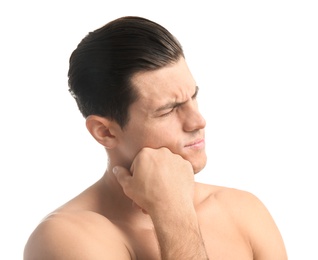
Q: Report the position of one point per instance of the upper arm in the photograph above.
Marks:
(63, 239)
(264, 236)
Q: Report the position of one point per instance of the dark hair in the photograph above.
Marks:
(102, 65)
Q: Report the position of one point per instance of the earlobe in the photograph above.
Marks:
(101, 129)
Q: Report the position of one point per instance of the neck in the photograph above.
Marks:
(118, 205)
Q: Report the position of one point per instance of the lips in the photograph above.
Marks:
(196, 144)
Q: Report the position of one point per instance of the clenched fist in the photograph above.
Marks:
(158, 180)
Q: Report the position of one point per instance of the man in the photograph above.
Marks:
(132, 84)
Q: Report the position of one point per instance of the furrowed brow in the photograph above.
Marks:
(176, 104)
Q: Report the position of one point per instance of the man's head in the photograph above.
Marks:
(132, 84)
(104, 62)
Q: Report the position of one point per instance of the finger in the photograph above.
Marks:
(122, 174)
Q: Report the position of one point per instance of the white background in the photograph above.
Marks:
(256, 63)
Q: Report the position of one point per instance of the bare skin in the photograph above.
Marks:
(147, 204)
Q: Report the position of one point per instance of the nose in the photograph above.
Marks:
(193, 119)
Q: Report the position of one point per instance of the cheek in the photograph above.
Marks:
(163, 137)
(154, 136)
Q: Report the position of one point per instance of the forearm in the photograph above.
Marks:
(179, 235)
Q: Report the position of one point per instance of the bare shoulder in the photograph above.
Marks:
(251, 217)
(233, 200)
(232, 197)
(237, 199)
(88, 235)
(239, 204)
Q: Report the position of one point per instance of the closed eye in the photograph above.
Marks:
(170, 107)
(170, 111)
(167, 114)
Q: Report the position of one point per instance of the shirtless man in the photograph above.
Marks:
(132, 84)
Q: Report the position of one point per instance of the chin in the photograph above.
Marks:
(198, 166)
(197, 170)
(197, 160)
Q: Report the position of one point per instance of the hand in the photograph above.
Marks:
(158, 180)
(161, 183)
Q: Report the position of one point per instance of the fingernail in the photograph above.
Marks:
(115, 170)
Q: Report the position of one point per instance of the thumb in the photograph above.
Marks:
(122, 175)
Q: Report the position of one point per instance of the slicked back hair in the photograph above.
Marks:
(102, 65)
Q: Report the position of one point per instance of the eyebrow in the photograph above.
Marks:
(176, 104)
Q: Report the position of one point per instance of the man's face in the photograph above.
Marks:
(165, 115)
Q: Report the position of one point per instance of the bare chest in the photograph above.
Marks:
(222, 240)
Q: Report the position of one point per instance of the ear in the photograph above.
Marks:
(103, 130)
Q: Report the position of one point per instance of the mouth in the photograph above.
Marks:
(198, 144)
